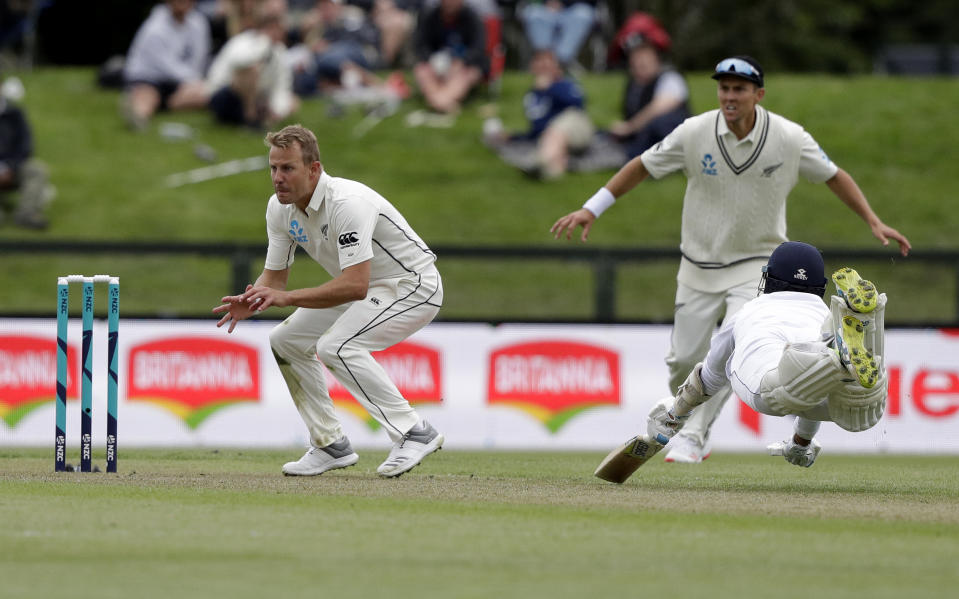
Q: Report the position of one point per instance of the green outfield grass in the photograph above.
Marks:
(205, 523)
(893, 134)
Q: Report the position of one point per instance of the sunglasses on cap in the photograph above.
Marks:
(737, 67)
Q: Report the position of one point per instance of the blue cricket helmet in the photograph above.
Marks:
(795, 266)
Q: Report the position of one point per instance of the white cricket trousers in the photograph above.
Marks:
(694, 323)
(341, 338)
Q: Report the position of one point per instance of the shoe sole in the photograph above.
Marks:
(431, 448)
(860, 295)
(337, 464)
(854, 353)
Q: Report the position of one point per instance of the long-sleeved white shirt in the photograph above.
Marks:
(165, 50)
(751, 342)
(255, 47)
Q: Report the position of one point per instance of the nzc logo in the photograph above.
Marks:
(348, 238)
(709, 165)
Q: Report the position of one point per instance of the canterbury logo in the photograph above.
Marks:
(348, 238)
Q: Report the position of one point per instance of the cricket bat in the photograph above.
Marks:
(620, 464)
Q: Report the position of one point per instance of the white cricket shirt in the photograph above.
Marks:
(734, 211)
(345, 223)
(750, 343)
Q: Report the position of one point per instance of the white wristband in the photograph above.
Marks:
(600, 201)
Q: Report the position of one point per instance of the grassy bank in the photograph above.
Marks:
(893, 135)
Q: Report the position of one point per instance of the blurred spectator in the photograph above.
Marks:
(656, 98)
(13, 21)
(558, 122)
(395, 20)
(559, 25)
(166, 63)
(342, 48)
(250, 81)
(450, 54)
(228, 18)
(19, 172)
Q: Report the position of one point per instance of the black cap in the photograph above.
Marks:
(744, 67)
(795, 266)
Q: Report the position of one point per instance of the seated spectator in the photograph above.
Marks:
(450, 54)
(19, 172)
(250, 82)
(395, 20)
(342, 47)
(166, 63)
(557, 120)
(656, 98)
(559, 25)
(228, 18)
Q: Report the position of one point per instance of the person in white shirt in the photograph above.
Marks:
(741, 161)
(166, 63)
(787, 353)
(384, 288)
(250, 81)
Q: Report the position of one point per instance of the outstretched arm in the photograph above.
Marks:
(632, 174)
(846, 189)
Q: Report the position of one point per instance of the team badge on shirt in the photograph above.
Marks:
(297, 233)
(769, 170)
(709, 165)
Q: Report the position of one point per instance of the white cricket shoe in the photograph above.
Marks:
(318, 460)
(685, 450)
(419, 442)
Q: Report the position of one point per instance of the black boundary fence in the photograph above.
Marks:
(604, 263)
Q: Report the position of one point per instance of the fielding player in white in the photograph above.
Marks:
(385, 287)
(741, 161)
(785, 353)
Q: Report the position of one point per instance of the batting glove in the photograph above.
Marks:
(661, 424)
(796, 454)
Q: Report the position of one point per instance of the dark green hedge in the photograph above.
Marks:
(836, 36)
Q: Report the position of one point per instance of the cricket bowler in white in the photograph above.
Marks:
(785, 353)
(740, 161)
(385, 287)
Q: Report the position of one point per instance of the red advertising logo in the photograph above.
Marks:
(554, 381)
(193, 376)
(28, 374)
(414, 368)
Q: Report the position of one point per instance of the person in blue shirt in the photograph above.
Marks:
(558, 122)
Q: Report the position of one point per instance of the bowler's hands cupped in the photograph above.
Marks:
(253, 300)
